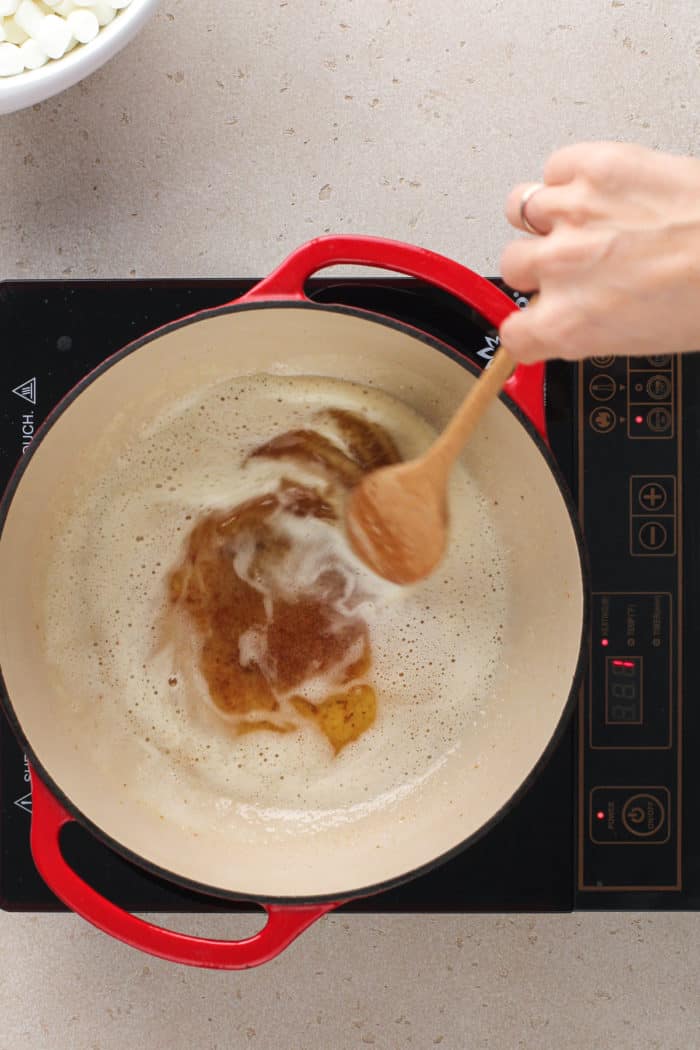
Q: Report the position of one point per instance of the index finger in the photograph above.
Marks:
(565, 164)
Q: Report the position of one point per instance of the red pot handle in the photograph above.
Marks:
(284, 924)
(526, 385)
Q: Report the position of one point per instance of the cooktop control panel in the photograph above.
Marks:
(630, 749)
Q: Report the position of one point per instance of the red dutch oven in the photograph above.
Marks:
(300, 876)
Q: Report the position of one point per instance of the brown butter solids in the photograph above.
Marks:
(305, 636)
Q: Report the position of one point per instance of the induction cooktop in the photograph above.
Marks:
(613, 821)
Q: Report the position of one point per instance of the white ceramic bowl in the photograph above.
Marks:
(36, 85)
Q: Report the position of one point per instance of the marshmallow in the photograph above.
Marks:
(29, 17)
(54, 36)
(83, 25)
(11, 61)
(33, 55)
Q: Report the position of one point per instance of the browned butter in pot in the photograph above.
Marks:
(269, 621)
(212, 633)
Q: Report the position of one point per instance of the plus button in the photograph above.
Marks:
(652, 497)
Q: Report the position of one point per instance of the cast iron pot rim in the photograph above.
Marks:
(339, 896)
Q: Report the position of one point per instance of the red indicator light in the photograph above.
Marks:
(604, 641)
(639, 419)
(600, 814)
(623, 663)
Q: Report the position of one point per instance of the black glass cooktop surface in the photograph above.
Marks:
(613, 820)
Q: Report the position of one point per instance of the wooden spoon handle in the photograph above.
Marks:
(486, 389)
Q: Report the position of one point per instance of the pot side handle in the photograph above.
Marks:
(287, 282)
(284, 924)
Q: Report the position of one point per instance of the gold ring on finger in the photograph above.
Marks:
(524, 200)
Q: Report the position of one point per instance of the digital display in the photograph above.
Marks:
(623, 690)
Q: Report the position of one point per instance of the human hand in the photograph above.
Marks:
(617, 265)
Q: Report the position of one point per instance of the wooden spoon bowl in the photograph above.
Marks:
(397, 517)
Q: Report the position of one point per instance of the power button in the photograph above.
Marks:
(627, 816)
(643, 815)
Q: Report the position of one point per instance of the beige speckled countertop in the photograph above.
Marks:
(228, 133)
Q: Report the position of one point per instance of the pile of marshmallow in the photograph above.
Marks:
(34, 31)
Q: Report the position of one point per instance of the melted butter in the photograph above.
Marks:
(265, 627)
(139, 709)
(342, 717)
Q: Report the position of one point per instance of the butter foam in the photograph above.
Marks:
(147, 711)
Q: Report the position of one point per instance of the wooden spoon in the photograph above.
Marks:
(397, 516)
